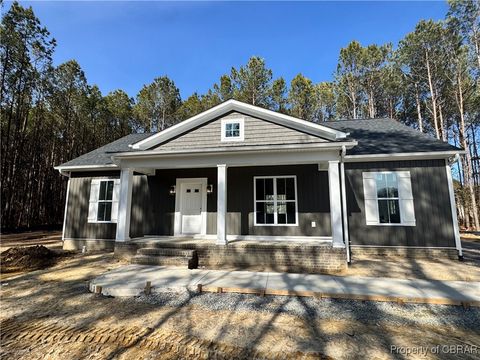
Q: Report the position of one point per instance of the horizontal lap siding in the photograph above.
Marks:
(77, 225)
(434, 227)
(257, 132)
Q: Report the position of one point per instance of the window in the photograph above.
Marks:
(388, 198)
(105, 199)
(275, 200)
(232, 129)
(103, 204)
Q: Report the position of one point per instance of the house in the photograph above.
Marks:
(243, 186)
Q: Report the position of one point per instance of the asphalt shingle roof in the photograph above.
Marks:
(374, 136)
(387, 136)
(102, 155)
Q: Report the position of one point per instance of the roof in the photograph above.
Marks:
(387, 136)
(102, 155)
(374, 136)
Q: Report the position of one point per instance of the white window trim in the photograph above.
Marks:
(275, 214)
(240, 121)
(111, 221)
(401, 223)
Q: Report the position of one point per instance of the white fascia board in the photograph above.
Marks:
(403, 156)
(233, 105)
(85, 167)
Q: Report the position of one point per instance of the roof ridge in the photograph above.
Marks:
(361, 119)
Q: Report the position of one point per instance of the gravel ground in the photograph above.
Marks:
(368, 312)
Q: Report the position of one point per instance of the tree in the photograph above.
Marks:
(325, 101)
(192, 106)
(157, 104)
(69, 93)
(26, 48)
(224, 90)
(120, 113)
(462, 90)
(278, 95)
(423, 58)
(252, 82)
(301, 98)
(464, 15)
(348, 78)
(372, 68)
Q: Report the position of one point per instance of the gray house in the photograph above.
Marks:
(243, 186)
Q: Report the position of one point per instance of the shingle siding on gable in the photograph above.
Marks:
(257, 132)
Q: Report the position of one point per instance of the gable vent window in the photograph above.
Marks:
(232, 130)
(103, 203)
(388, 198)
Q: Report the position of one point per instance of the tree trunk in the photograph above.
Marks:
(433, 96)
(419, 108)
(468, 169)
(443, 128)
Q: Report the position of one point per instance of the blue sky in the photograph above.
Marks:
(127, 44)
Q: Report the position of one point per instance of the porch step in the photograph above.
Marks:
(163, 260)
(157, 251)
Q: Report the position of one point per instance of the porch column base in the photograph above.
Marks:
(124, 205)
(335, 204)
(222, 204)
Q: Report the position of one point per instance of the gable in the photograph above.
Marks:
(256, 132)
(229, 106)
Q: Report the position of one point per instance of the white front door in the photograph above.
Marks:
(191, 208)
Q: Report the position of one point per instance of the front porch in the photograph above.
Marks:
(301, 202)
(311, 256)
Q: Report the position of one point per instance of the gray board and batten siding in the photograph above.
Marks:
(153, 207)
(434, 225)
(77, 225)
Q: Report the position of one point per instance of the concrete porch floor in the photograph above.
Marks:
(130, 280)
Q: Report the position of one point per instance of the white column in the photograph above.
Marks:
(453, 208)
(124, 205)
(344, 209)
(335, 204)
(221, 204)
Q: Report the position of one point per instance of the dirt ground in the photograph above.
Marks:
(50, 239)
(433, 269)
(49, 314)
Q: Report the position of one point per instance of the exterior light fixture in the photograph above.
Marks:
(209, 189)
(172, 190)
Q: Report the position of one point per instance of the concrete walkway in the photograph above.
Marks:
(130, 280)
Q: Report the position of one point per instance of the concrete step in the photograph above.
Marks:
(163, 260)
(152, 251)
